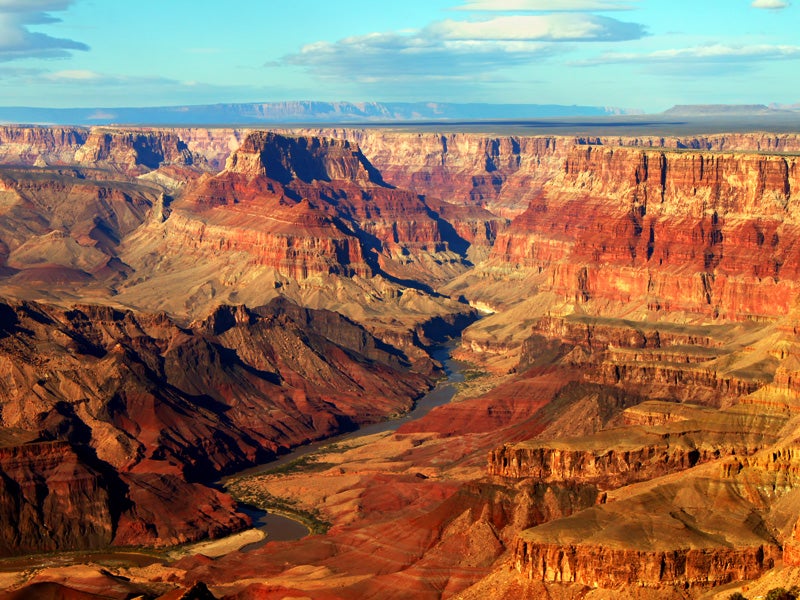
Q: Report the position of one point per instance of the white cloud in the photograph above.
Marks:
(454, 49)
(381, 57)
(547, 5)
(551, 28)
(74, 75)
(28, 6)
(16, 39)
(769, 4)
(716, 53)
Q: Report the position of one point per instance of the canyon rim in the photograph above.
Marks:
(180, 305)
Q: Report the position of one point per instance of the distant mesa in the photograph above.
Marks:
(298, 112)
(724, 110)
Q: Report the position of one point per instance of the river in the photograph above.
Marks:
(281, 528)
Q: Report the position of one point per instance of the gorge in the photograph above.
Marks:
(179, 304)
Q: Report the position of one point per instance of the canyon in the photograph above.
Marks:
(178, 305)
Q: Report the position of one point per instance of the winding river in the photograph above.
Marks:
(281, 528)
(277, 527)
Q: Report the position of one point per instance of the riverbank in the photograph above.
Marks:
(247, 486)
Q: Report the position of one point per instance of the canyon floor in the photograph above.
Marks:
(178, 306)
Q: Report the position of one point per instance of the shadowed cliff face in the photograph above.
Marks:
(142, 411)
(323, 208)
(306, 158)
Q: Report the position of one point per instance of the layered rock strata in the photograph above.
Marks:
(141, 412)
(704, 233)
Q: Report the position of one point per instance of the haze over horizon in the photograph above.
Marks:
(634, 54)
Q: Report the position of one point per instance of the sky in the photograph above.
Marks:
(632, 54)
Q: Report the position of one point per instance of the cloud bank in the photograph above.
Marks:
(715, 53)
(17, 41)
(548, 5)
(769, 4)
(452, 49)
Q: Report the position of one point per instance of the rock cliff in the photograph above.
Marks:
(50, 499)
(142, 411)
(322, 189)
(704, 233)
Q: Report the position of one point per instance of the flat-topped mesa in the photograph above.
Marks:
(267, 154)
(135, 152)
(34, 145)
(707, 233)
(684, 436)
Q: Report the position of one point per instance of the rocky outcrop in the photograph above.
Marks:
(50, 499)
(312, 245)
(609, 468)
(598, 334)
(658, 438)
(609, 568)
(48, 145)
(498, 173)
(314, 206)
(143, 413)
(283, 159)
(134, 152)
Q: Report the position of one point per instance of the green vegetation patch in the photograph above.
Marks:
(250, 494)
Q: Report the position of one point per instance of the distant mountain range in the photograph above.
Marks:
(729, 110)
(298, 112)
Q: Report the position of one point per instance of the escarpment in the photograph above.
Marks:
(710, 234)
(600, 566)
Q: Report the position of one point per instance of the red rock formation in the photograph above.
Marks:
(51, 145)
(134, 151)
(50, 499)
(500, 174)
(154, 410)
(599, 566)
(708, 233)
(130, 150)
(505, 173)
(659, 438)
(618, 466)
(310, 206)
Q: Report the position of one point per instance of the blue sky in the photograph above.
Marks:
(645, 54)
